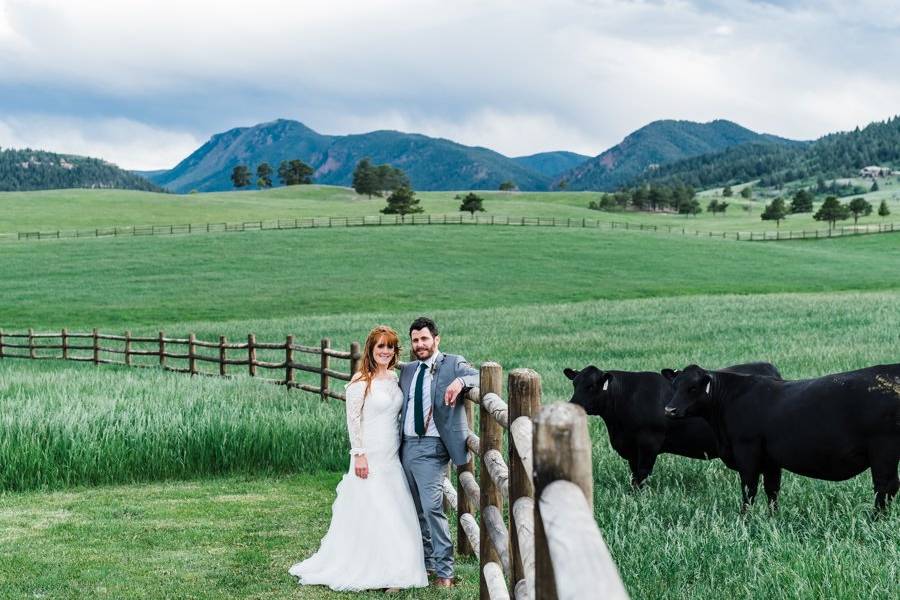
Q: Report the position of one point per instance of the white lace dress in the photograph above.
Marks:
(374, 539)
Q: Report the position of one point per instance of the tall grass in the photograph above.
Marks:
(65, 424)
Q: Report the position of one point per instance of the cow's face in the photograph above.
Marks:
(591, 388)
(692, 392)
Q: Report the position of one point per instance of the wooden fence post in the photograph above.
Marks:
(1, 343)
(491, 434)
(96, 347)
(463, 546)
(323, 382)
(223, 371)
(356, 359)
(192, 361)
(128, 348)
(524, 389)
(251, 354)
(31, 353)
(562, 450)
(162, 349)
(289, 362)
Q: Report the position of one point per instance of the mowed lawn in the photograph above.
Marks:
(147, 282)
(54, 210)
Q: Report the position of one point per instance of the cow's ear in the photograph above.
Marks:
(570, 373)
(707, 383)
(669, 374)
(605, 378)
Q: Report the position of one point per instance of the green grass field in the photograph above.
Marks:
(147, 282)
(87, 209)
(118, 483)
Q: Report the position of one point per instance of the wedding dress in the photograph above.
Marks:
(374, 539)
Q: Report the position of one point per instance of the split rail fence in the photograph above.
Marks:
(186, 355)
(424, 219)
(549, 546)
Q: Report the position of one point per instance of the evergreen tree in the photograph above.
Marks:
(264, 175)
(240, 176)
(775, 211)
(365, 179)
(471, 204)
(802, 202)
(390, 178)
(883, 209)
(690, 207)
(402, 202)
(832, 211)
(874, 187)
(859, 206)
(727, 192)
(295, 172)
(507, 186)
(747, 192)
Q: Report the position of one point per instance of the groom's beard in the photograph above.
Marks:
(424, 353)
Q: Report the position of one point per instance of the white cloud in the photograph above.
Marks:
(518, 77)
(129, 144)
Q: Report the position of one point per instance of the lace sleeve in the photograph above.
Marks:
(354, 393)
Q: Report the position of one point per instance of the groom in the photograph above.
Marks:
(433, 430)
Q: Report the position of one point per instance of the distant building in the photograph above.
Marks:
(874, 172)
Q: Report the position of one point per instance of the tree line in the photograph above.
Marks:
(291, 172)
(27, 169)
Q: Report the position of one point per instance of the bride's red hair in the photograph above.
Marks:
(368, 366)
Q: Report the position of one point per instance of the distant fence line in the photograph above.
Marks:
(423, 219)
(44, 346)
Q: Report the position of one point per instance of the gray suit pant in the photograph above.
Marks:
(425, 461)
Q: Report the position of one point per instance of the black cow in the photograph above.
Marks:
(833, 427)
(632, 406)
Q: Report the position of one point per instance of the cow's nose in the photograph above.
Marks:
(671, 411)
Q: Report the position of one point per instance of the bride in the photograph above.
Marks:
(374, 539)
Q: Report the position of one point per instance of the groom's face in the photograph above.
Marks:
(423, 343)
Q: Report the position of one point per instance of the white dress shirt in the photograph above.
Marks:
(409, 427)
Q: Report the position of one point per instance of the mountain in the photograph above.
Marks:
(430, 163)
(551, 164)
(657, 144)
(27, 169)
(833, 156)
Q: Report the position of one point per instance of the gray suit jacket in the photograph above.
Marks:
(450, 421)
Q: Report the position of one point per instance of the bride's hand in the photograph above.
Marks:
(361, 466)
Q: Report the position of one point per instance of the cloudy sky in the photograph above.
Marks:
(143, 83)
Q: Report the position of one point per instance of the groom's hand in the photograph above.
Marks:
(361, 466)
(452, 392)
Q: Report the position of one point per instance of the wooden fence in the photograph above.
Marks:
(454, 219)
(550, 547)
(186, 355)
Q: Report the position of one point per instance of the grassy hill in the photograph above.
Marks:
(87, 209)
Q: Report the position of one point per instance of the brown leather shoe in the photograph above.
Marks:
(444, 582)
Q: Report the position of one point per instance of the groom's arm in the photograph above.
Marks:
(466, 378)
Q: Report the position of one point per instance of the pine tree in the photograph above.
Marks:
(240, 176)
(883, 209)
(832, 211)
(472, 204)
(264, 175)
(365, 180)
(859, 206)
(402, 202)
(775, 211)
(802, 202)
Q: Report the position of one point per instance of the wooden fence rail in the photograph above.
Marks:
(189, 351)
(446, 219)
(550, 548)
